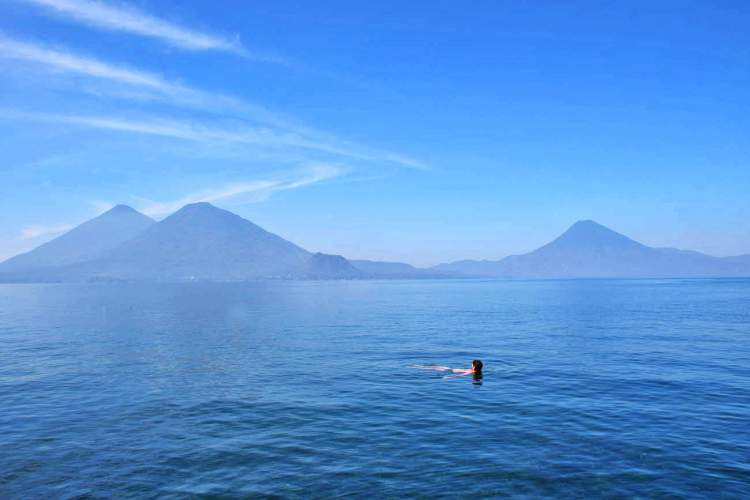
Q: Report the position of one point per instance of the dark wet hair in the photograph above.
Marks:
(477, 365)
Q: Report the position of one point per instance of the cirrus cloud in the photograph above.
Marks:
(129, 19)
(274, 124)
(248, 190)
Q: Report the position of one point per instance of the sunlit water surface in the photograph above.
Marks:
(303, 389)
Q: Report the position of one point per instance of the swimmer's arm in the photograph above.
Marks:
(463, 371)
(432, 367)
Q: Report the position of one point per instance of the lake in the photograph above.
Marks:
(598, 388)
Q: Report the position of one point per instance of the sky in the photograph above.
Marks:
(421, 131)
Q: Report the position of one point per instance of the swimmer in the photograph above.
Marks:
(475, 370)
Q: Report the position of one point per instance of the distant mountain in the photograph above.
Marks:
(199, 242)
(393, 270)
(202, 242)
(743, 260)
(323, 266)
(377, 267)
(590, 250)
(82, 243)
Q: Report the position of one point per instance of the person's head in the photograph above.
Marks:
(477, 365)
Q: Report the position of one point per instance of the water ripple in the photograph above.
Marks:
(593, 388)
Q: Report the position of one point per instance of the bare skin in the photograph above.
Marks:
(459, 371)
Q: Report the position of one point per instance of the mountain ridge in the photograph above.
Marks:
(326, 266)
(202, 242)
(84, 241)
(588, 249)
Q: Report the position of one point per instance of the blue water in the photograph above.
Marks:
(303, 389)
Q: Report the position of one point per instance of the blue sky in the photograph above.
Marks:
(416, 131)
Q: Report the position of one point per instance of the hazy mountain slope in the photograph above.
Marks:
(202, 242)
(469, 268)
(384, 268)
(83, 242)
(199, 241)
(588, 249)
(323, 266)
(743, 260)
(394, 270)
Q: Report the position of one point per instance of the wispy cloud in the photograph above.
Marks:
(189, 131)
(128, 19)
(196, 132)
(62, 60)
(292, 132)
(33, 232)
(14, 49)
(252, 190)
